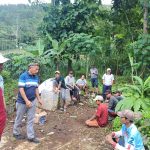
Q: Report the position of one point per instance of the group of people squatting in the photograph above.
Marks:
(128, 138)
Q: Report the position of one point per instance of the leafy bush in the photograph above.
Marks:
(116, 124)
(144, 128)
(136, 96)
(10, 85)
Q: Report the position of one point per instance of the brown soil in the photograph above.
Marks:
(62, 131)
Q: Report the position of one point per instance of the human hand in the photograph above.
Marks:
(109, 139)
(40, 101)
(28, 103)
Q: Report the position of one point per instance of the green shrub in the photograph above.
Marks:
(144, 128)
(116, 124)
(10, 87)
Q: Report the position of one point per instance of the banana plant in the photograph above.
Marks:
(136, 95)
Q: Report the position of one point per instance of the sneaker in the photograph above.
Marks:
(34, 140)
(19, 137)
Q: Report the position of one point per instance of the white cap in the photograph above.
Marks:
(3, 59)
(98, 98)
(108, 69)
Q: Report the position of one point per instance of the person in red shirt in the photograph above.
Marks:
(2, 100)
(100, 118)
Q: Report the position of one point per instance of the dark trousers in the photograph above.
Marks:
(105, 88)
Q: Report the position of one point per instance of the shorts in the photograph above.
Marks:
(94, 82)
(63, 94)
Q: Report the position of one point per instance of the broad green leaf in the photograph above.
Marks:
(147, 82)
(139, 80)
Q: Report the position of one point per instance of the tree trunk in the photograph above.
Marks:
(87, 66)
(145, 23)
(69, 65)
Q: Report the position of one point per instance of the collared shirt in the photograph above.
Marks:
(30, 84)
(132, 138)
(94, 72)
(108, 78)
(81, 82)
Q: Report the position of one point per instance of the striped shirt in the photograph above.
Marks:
(29, 83)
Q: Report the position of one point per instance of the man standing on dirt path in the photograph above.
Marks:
(128, 138)
(101, 116)
(2, 100)
(26, 102)
(94, 78)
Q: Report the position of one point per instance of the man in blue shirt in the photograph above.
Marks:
(129, 132)
(26, 103)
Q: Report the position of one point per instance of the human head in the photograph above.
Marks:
(57, 74)
(70, 73)
(98, 99)
(33, 68)
(83, 77)
(108, 70)
(2, 61)
(127, 116)
(117, 93)
(108, 93)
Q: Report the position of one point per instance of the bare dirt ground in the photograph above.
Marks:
(62, 131)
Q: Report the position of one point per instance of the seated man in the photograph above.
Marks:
(82, 84)
(70, 84)
(112, 102)
(132, 139)
(100, 118)
(118, 95)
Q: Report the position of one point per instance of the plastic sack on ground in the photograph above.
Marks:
(48, 96)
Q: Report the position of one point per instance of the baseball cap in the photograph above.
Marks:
(108, 69)
(98, 98)
(129, 114)
(3, 59)
(57, 72)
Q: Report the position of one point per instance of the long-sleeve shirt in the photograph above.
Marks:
(132, 138)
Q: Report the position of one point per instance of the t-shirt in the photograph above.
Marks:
(30, 84)
(112, 103)
(102, 115)
(132, 138)
(108, 78)
(81, 82)
(94, 72)
(70, 81)
(58, 81)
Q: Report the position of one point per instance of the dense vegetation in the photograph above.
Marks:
(65, 35)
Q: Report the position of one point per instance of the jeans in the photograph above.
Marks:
(105, 88)
(21, 111)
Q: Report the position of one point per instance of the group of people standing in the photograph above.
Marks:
(26, 104)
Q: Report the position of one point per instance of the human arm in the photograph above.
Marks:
(112, 80)
(103, 79)
(92, 118)
(38, 96)
(22, 92)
